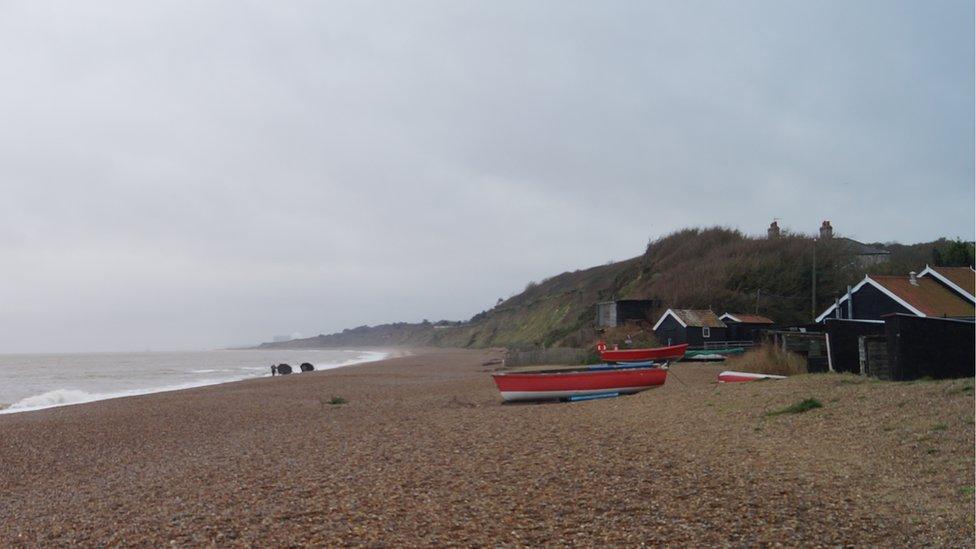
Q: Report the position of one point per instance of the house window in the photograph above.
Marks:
(706, 332)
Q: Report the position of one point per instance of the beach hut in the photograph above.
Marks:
(692, 326)
(610, 314)
(745, 327)
(877, 296)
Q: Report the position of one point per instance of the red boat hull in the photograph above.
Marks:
(557, 385)
(674, 352)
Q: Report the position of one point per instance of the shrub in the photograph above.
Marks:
(799, 407)
(769, 359)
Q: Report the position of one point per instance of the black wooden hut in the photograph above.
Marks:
(745, 327)
(877, 296)
(614, 313)
(692, 326)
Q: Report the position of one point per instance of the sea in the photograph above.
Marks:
(37, 381)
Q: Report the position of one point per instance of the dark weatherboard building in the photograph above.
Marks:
(745, 327)
(613, 313)
(877, 296)
(692, 326)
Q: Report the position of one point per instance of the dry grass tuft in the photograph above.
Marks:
(769, 359)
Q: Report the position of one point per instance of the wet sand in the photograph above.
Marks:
(423, 453)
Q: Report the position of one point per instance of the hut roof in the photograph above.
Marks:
(698, 318)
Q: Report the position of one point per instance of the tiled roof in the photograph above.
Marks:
(698, 318)
(860, 248)
(749, 319)
(929, 297)
(964, 277)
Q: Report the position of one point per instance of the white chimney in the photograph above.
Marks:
(911, 279)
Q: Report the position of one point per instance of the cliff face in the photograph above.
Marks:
(713, 268)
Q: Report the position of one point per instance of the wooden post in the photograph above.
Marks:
(813, 292)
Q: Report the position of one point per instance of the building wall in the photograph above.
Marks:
(670, 329)
(871, 303)
(744, 331)
(692, 335)
(844, 341)
(606, 314)
(695, 337)
(930, 347)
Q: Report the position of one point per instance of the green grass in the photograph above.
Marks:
(968, 490)
(798, 408)
(965, 389)
(940, 427)
(337, 401)
(931, 451)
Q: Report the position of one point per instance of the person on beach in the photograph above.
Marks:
(274, 370)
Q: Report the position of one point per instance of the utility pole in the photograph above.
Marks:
(813, 292)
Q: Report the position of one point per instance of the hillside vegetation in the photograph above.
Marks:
(715, 268)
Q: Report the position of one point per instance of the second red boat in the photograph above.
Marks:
(672, 353)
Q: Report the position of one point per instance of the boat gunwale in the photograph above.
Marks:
(582, 370)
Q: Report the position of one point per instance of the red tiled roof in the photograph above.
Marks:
(750, 319)
(930, 297)
(964, 277)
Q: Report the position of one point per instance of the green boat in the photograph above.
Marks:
(723, 352)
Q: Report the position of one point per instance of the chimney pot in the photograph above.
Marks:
(912, 279)
(826, 230)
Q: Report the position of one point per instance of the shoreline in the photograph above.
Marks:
(420, 451)
(57, 398)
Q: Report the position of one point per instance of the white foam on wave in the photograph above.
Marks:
(66, 397)
(364, 356)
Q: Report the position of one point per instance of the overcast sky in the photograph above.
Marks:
(184, 175)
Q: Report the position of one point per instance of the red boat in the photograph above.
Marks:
(563, 384)
(674, 352)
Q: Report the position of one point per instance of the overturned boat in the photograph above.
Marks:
(729, 376)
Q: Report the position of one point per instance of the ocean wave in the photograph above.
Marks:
(66, 397)
(58, 397)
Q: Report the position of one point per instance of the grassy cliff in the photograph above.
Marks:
(715, 268)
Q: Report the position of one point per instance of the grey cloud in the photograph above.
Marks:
(196, 174)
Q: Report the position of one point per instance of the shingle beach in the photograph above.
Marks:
(423, 453)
